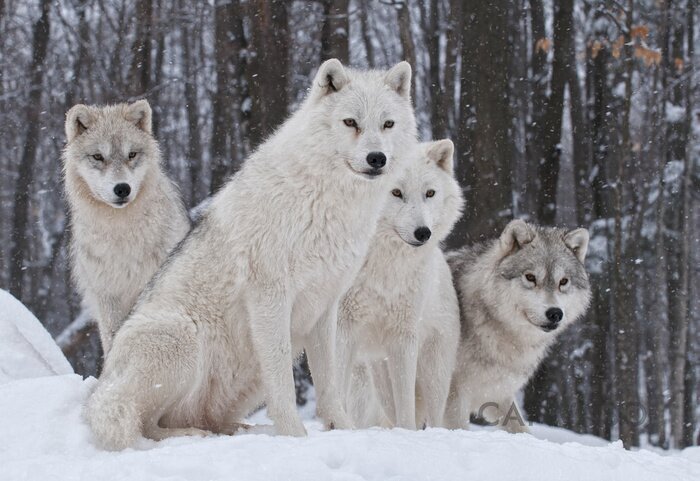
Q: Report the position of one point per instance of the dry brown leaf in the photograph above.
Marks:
(640, 31)
(543, 44)
(595, 48)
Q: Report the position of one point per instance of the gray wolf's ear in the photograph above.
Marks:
(516, 234)
(442, 153)
(577, 241)
(78, 119)
(140, 114)
(399, 79)
(331, 77)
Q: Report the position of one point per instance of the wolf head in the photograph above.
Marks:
(540, 276)
(366, 116)
(426, 201)
(111, 149)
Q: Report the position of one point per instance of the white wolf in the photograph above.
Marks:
(126, 215)
(260, 277)
(516, 293)
(401, 315)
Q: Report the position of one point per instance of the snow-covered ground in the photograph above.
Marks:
(42, 437)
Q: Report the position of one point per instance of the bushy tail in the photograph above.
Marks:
(113, 417)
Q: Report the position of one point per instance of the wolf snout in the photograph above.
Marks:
(376, 160)
(122, 190)
(554, 316)
(422, 234)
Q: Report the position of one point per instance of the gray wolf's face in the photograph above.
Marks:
(369, 115)
(426, 201)
(111, 149)
(542, 274)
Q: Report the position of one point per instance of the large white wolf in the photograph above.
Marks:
(516, 294)
(260, 277)
(126, 215)
(401, 315)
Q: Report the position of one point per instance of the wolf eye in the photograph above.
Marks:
(430, 193)
(397, 193)
(564, 282)
(388, 124)
(531, 278)
(98, 157)
(132, 154)
(350, 123)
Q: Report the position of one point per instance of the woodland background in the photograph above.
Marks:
(572, 112)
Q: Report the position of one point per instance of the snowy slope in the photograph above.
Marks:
(42, 437)
(26, 349)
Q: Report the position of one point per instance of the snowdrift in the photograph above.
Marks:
(26, 349)
(43, 436)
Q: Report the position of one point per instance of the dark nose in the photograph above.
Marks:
(122, 190)
(376, 160)
(422, 234)
(554, 315)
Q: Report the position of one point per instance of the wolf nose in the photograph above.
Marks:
(376, 160)
(554, 315)
(422, 234)
(122, 190)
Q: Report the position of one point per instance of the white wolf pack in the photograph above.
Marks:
(327, 241)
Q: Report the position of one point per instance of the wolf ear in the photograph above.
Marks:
(399, 79)
(516, 234)
(140, 114)
(442, 153)
(78, 120)
(577, 241)
(331, 77)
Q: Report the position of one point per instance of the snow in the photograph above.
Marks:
(44, 437)
(26, 348)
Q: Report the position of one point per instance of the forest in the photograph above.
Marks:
(563, 112)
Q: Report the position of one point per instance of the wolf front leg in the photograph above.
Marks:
(270, 320)
(402, 365)
(321, 352)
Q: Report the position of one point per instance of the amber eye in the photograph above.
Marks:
(531, 278)
(388, 124)
(132, 154)
(430, 193)
(350, 123)
(564, 282)
(98, 157)
(397, 193)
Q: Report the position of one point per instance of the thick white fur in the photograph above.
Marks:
(399, 323)
(502, 341)
(259, 279)
(116, 248)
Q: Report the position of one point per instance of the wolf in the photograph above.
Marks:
(126, 215)
(517, 293)
(261, 276)
(401, 316)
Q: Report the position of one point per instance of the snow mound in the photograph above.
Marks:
(26, 348)
(44, 437)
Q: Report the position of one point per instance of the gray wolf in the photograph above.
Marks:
(517, 293)
(401, 316)
(126, 215)
(260, 277)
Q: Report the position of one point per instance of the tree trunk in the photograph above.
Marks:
(403, 11)
(140, 71)
(268, 68)
(229, 42)
(484, 143)
(366, 37)
(438, 117)
(18, 239)
(334, 34)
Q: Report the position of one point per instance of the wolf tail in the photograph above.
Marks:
(113, 417)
